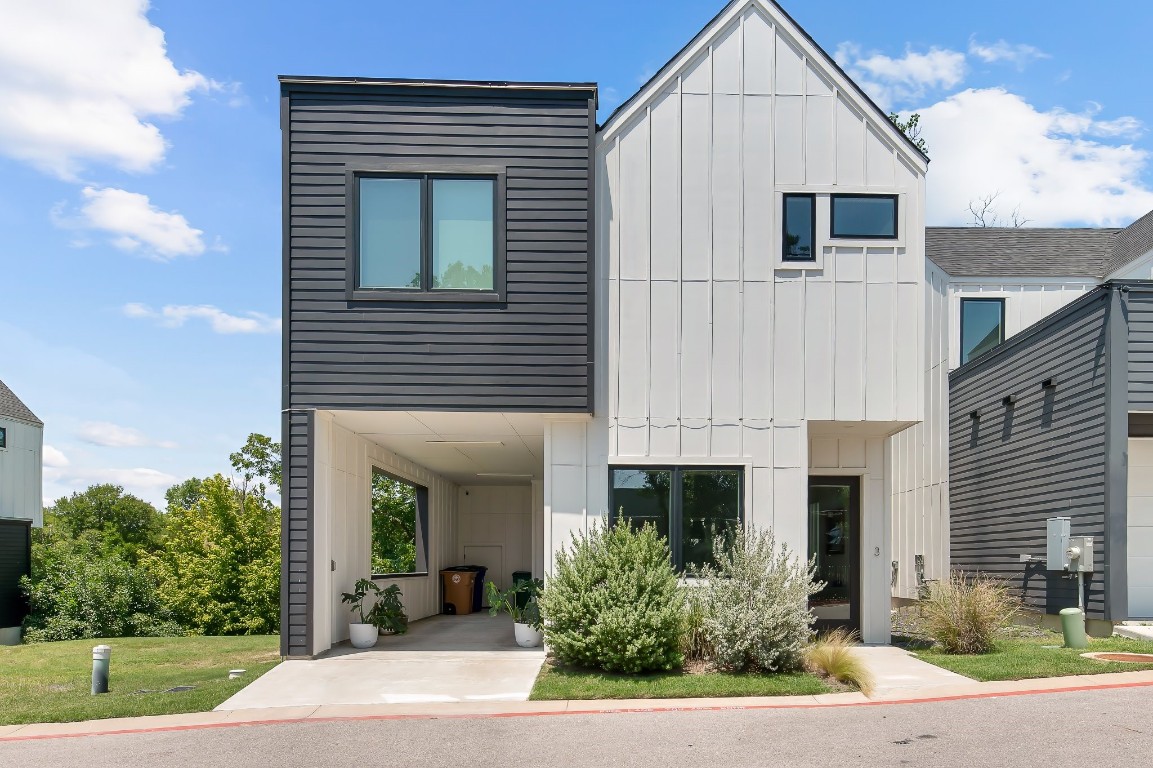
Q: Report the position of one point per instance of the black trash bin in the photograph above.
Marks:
(518, 578)
(478, 583)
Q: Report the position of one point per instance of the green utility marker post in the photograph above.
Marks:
(1073, 628)
(101, 656)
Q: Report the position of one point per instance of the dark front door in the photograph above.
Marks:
(835, 545)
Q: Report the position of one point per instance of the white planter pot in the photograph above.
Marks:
(362, 635)
(526, 636)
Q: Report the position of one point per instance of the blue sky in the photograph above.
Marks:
(140, 169)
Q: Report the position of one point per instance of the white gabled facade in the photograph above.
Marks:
(714, 351)
(21, 462)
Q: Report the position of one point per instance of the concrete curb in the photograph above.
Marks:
(507, 709)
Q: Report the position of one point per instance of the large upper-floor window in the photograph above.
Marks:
(424, 234)
(863, 216)
(690, 506)
(982, 326)
(399, 526)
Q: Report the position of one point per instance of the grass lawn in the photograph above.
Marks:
(51, 682)
(559, 683)
(1021, 658)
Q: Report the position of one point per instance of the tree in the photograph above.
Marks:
(186, 494)
(912, 129)
(110, 520)
(393, 525)
(219, 572)
(984, 213)
(259, 459)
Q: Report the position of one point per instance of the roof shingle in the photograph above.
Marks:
(13, 408)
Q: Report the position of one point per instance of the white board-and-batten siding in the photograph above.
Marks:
(21, 471)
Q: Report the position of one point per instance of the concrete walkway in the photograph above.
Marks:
(1134, 631)
(896, 671)
(443, 659)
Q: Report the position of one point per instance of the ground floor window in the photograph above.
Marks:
(399, 526)
(690, 506)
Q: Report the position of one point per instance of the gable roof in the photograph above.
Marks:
(13, 408)
(1131, 243)
(1019, 252)
(717, 24)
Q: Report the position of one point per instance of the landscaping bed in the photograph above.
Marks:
(1023, 651)
(557, 682)
(50, 682)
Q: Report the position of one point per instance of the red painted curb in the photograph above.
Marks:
(631, 710)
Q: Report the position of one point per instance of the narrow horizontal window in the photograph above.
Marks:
(799, 228)
(864, 216)
(982, 326)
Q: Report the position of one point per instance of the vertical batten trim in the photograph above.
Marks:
(680, 256)
(742, 174)
(648, 413)
(711, 252)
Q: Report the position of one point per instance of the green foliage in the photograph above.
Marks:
(965, 615)
(110, 521)
(756, 604)
(508, 602)
(694, 639)
(259, 459)
(461, 275)
(393, 525)
(614, 602)
(186, 494)
(219, 572)
(831, 656)
(78, 591)
(912, 129)
(374, 605)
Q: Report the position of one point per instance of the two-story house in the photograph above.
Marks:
(21, 448)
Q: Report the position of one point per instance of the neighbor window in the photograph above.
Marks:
(800, 228)
(3, 437)
(690, 506)
(864, 216)
(426, 233)
(982, 326)
(399, 526)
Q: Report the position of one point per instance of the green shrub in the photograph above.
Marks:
(757, 604)
(831, 655)
(964, 615)
(694, 638)
(75, 594)
(614, 602)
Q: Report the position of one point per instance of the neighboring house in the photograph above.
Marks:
(715, 309)
(21, 446)
(1052, 410)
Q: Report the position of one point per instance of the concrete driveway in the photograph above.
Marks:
(440, 659)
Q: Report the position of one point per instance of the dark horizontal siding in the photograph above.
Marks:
(15, 561)
(296, 536)
(1043, 457)
(530, 352)
(1140, 314)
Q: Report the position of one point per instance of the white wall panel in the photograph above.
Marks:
(725, 389)
(789, 139)
(819, 140)
(820, 311)
(634, 341)
(665, 222)
(790, 68)
(789, 350)
(849, 354)
(850, 146)
(726, 187)
(758, 54)
(696, 340)
(663, 374)
(695, 202)
(727, 60)
(879, 168)
(21, 471)
(633, 204)
(757, 174)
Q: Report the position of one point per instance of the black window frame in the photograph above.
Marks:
(857, 196)
(421, 565)
(3, 438)
(812, 198)
(426, 292)
(676, 507)
(961, 330)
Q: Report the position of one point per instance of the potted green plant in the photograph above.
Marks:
(526, 619)
(388, 614)
(378, 609)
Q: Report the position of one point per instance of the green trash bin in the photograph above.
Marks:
(518, 578)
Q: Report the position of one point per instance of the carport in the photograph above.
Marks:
(441, 659)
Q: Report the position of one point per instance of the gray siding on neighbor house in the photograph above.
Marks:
(15, 561)
(1045, 456)
(1139, 309)
(531, 352)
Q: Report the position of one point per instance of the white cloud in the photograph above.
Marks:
(135, 224)
(82, 82)
(115, 436)
(174, 316)
(54, 458)
(894, 80)
(1019, 53)
(1057, 166)
(143, 482)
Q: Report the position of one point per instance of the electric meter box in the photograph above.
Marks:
(1057, 544)
(1084, 545)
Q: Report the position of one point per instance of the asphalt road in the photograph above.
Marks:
(1113, 727)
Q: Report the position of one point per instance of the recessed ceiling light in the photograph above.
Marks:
(500, 474)
(465, 442)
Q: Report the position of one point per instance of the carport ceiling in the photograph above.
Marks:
(466, 448)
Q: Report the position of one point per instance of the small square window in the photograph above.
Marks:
(800, 230)
(3, 437)
(864, 216)
(982, 326)
(422, 236)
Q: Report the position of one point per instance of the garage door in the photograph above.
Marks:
(1140, 554)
